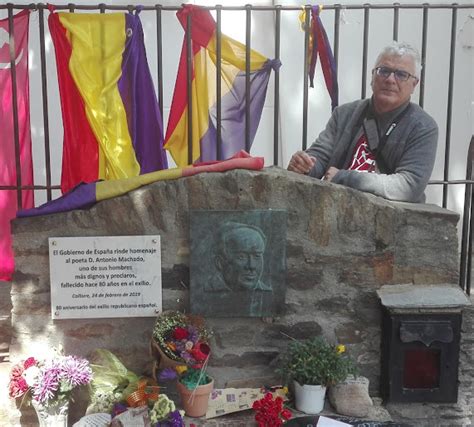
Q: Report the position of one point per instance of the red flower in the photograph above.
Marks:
(269, 412)
(180, 333)
(31, 361)
(200, 352)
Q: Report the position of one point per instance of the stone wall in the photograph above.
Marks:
(342, 245)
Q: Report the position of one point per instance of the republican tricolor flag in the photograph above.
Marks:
(112, 124)
(204, 94)
(8, 167)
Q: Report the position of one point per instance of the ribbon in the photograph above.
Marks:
(319, 45)
(143, 394)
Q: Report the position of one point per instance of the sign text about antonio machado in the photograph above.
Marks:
(92, 277)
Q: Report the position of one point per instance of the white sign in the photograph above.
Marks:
(94, 277)
(329, 422)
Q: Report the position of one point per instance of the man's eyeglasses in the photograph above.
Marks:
(400, 75)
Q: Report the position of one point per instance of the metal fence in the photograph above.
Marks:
(158, 11)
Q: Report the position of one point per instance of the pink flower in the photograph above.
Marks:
(17, 388)
(31, 361)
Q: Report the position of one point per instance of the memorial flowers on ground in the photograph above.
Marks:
(270, 411)
(116, 390)
(49, 381)
(183, 339)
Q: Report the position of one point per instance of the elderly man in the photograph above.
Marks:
(385, 145)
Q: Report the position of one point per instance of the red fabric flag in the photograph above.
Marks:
(8, 172)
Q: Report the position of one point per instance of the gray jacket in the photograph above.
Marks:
(405, 161)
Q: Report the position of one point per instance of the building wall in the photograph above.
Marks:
(341, 246)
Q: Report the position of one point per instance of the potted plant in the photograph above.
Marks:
(313, 365)
(180, 344)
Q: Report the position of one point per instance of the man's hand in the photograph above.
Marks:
(301, 162)
(330, 173)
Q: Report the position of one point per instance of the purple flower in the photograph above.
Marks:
(76, 371)
(193, 334)
(118, 408)
(167, 374)
(173, 419)
(48, 382)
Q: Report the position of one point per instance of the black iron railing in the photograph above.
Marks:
(157, 11)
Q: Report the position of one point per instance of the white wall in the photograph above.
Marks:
(291, 78)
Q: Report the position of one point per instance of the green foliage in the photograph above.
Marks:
(315, 362)
(194, 377)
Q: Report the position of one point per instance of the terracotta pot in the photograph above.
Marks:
(195, 402)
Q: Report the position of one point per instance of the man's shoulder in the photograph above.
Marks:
(421, 117)
(350, 108)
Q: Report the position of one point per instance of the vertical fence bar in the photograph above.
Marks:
(248, 32)
(218, 82)
(16, 131)
(449, 111)
(102, 8)
(466, 238)
(424, 37)
(396, 17)
(276, 107)
(305, 76)
(365, 49)
(189, 77)
(337, 30)
(44, 93)
(469, 253)
(159, 57)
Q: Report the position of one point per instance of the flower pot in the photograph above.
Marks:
(195, 401)
(54, 414)
(309, 398)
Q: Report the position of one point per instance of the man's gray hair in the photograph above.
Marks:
(401, 49)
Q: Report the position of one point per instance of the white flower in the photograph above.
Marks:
(31, 375)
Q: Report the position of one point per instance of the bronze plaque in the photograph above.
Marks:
(238, 263)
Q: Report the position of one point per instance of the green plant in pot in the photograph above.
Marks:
(313, 365)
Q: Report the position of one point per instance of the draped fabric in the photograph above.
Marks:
(86, 195)
(8, 167)
(319, 46)
(204, 95)
(112, 124)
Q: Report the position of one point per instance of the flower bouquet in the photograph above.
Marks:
(270, 412)
(179, 339)
(180, 345)
(49, 383)
(117, 391)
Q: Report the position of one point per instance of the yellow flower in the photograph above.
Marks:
(285, 390)
(340, 348)
(181, 369)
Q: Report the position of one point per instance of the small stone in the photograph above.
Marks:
(351, 397)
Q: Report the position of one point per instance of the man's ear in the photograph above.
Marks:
(218, 261)
(415, 84)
